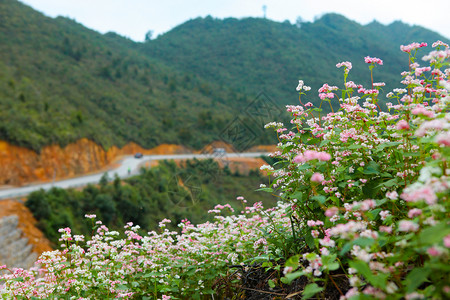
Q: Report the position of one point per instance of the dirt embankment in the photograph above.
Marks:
(27, 223)
(20, 165)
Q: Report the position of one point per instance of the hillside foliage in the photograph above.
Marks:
(166, 191)
(60, 81)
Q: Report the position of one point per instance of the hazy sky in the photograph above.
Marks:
(133, 18)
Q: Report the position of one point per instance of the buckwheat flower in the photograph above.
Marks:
(447, 241)
(443, 139)
(306, 88)
(287, 270)
(78, 238)
(439, 43)
(326, 241)
(414, 212)
(407, 226)
(350, 85)
(402, 125)
(317, 177)
(373, 60)
(420, 110)
(90, 216)
(350, 293)
(384, 214)
(414, 296)
(387, 229)
(164, 221)
(331, 211)
(391, 287)
(346, 64)
(266, 167)
(392, 195)
(412, 46)
(434, 251)
(323, 156)
(354, 281)
(300, 85)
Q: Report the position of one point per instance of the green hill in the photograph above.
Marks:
(259, 54)
(60, 81)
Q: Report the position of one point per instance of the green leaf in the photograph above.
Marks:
(362, 241)
(412, 154)
(305, 166)
(434, 234)
(309, 240)
(389, 183)
(270, 190)
(288, 278)
(362, 268)
(371, 168)
(374, 213)
(390, 144)
(378, 280)
(122, 287)
(319, 198)
(297, 195)
(333, 266)
(415, 278)
(310, 290)
(271, 283)
(20, 279)
(354, 146)
(293, 262)
(323, 143)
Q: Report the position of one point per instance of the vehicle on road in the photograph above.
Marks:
(219, 151)
(138, 155)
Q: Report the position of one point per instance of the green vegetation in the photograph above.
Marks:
(166, 191)
(60, 81)
(252, 54)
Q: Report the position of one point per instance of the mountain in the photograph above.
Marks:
(60, 81)
(259, 54)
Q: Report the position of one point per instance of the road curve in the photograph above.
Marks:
(128, 163)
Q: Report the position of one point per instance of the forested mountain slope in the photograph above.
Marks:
(60, 81)
(259, 54)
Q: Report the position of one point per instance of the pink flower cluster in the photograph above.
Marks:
(309, 155)
(317, 177)
(412, 46)
(373, 60)
(346, 64)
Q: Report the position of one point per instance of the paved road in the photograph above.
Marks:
(128, 162)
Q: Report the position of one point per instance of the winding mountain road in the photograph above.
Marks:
(128, 163)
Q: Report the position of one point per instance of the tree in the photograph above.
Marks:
(299, 21)
(149, 36)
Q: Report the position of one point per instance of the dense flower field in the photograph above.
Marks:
(363, 196)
